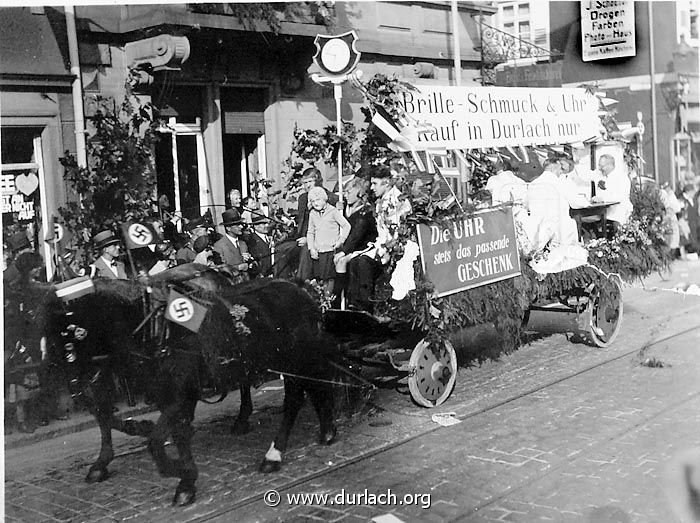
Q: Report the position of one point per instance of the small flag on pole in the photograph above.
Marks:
(386, 125)
(139, 234)
(185, 311)
(75, 288)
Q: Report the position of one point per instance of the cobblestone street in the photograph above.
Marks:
(556, 431)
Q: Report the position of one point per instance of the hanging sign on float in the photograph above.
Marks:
(472, 117)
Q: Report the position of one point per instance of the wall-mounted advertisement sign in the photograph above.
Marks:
(607, 29)
(469, 252)
(535, 75)
(473, 117)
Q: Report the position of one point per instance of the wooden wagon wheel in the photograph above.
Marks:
(601, 320)
(433, 372)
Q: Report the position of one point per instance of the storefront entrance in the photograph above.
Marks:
(24, 205)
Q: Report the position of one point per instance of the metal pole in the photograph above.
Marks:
(652, 71)
(80, 148)
(455, 43)
(338, 92)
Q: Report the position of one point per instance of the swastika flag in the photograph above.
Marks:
(185, 311)
(139, 234)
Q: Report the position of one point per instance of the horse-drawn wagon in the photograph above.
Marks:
(472, 266)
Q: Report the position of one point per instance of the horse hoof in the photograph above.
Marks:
(268, 466)
(184, 495)
(96, 475)
(327, 438)
(240, 427)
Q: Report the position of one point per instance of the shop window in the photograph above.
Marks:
(22, 178)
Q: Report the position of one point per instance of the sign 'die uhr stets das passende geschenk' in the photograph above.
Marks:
(471, 251)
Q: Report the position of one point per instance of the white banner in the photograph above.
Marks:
(473, 117)
(607, 29)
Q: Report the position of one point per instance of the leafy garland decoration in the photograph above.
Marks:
(636, 252)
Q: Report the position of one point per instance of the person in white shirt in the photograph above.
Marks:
(613, 185)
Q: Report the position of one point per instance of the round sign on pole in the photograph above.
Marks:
(58, 232)
(140, 234)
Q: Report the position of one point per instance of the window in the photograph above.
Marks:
(523, 10)
(508, 11)
(509, 27)
(524, 30)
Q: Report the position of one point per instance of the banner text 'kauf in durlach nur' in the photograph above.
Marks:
(474, 117)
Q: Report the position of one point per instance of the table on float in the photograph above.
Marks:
(593, 209)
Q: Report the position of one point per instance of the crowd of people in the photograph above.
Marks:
(342, 246)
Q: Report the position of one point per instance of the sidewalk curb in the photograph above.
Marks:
(71, 428)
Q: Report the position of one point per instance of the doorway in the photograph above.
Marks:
(243, 137)
(182, 181)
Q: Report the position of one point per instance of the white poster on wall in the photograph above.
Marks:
(607, 29)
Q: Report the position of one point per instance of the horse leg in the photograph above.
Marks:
(156, 441)
(241, 425)
(293, 400)
(322, 400)
(186, 467)
(102, 410)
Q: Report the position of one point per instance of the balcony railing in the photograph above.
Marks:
(499, 47)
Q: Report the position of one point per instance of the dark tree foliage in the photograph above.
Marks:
(119, 183)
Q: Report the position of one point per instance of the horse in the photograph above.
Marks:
(249, 329)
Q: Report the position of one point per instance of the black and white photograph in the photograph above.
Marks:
(391, 261)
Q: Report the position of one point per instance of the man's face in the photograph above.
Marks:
(605, 166)
(113, 250)
(379, 186)
(197, 232)
(566, 166)
(262, 227)
(308, 183)
(235, 230)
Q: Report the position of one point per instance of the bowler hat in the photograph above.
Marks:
(104, 238)
(231, 217)
(201, 243)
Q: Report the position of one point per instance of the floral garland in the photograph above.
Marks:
(637, 251)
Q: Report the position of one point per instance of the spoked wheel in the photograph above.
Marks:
(434, 371)
(600, 322)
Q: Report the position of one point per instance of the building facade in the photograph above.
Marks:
(231, 107)
(660, 80)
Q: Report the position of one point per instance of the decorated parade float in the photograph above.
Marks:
(455, 255)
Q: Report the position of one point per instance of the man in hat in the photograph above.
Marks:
(261, 247)
(231, 247)
(107, 266)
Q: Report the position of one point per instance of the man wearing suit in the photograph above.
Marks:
(107, 266)
(231, 248)
(310, 178)
(260, 245)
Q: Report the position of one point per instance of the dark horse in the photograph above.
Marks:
(249, 329)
